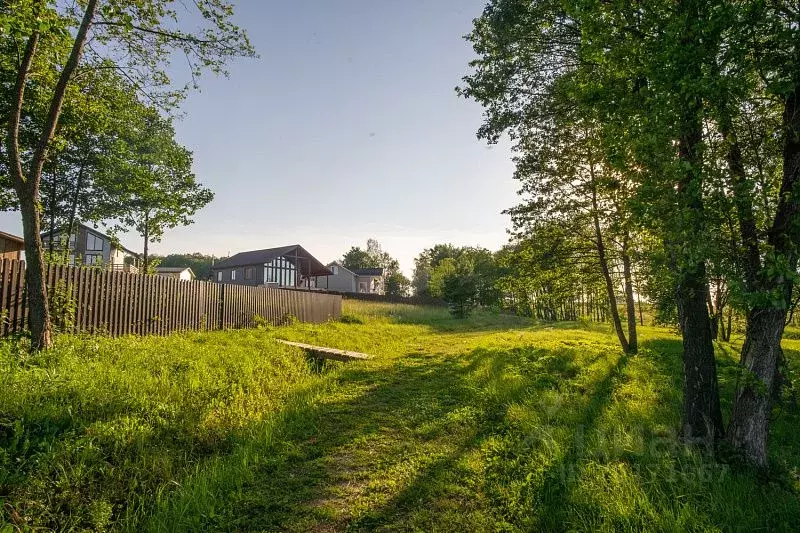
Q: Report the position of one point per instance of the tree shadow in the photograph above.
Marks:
(415, 423)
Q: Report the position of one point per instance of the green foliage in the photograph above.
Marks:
(397, 284)
(198, 262)
(373, 257)
(486, 268)
(62, 307)
(350, 319)
(152, 187)
(456, 282)
(426, 261)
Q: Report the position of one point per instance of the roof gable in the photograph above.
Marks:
(260, 257)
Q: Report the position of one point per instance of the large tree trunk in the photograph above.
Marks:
(749, 427)
(38, 310)
(701, 417)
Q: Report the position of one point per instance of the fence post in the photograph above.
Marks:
(221, 306)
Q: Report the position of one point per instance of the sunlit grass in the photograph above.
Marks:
(493, 423)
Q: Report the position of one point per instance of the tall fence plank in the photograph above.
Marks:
(120, 303)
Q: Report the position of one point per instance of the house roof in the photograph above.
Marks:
(340, 265)
(368, 271)
(309, 265)
(10, 237)
(173, 269)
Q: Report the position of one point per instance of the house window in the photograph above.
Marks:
(281, 271)
(362, 286)
(335, 270)
(93, 242)
(248, 273)
(219, 276)
(93, 259)
(233, 275)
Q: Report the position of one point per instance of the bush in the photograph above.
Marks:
(350, 319)
(455, 281)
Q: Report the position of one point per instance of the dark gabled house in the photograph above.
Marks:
(286, 266)
(88, 246)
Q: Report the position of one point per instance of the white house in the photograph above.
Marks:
(181, 273)
(360, 280)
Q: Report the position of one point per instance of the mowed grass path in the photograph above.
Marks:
(480, 425)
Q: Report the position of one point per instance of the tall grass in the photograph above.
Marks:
(493, 423)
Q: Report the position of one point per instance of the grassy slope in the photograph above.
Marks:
(486, 424)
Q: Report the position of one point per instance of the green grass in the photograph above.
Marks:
(480, 425)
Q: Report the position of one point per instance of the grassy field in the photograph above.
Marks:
(488, 424)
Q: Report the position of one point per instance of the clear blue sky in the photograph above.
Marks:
(347, 127)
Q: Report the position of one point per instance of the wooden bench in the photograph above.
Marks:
(328, 353)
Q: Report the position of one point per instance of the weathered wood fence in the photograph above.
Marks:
(94, 300)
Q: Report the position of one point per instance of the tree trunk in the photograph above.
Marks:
(145, 257)
(633, 343)
(26, 184)
(727, 338)
(701, 416)
(749, 427)
(35, 287)
(73, 212)
(714, 319)
(52, 210)
(601, 255)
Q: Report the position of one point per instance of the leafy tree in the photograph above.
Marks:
(454, 281)
(691, 106)
(424, 264)
(397, 284)
(135, 37)
(152, 187)
(549, 275)
(198, 262)
(561, 159)
(373, 257)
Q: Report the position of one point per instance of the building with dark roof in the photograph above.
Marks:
(88, 246)
(285, 266)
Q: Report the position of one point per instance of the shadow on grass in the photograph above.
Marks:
(481, 320)
(382, 453)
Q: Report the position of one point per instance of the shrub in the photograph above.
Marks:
(350, 319)
(454, 281)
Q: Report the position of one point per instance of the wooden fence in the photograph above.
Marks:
(94, 300)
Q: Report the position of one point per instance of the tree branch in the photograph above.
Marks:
(58, 95)
(16, 110)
